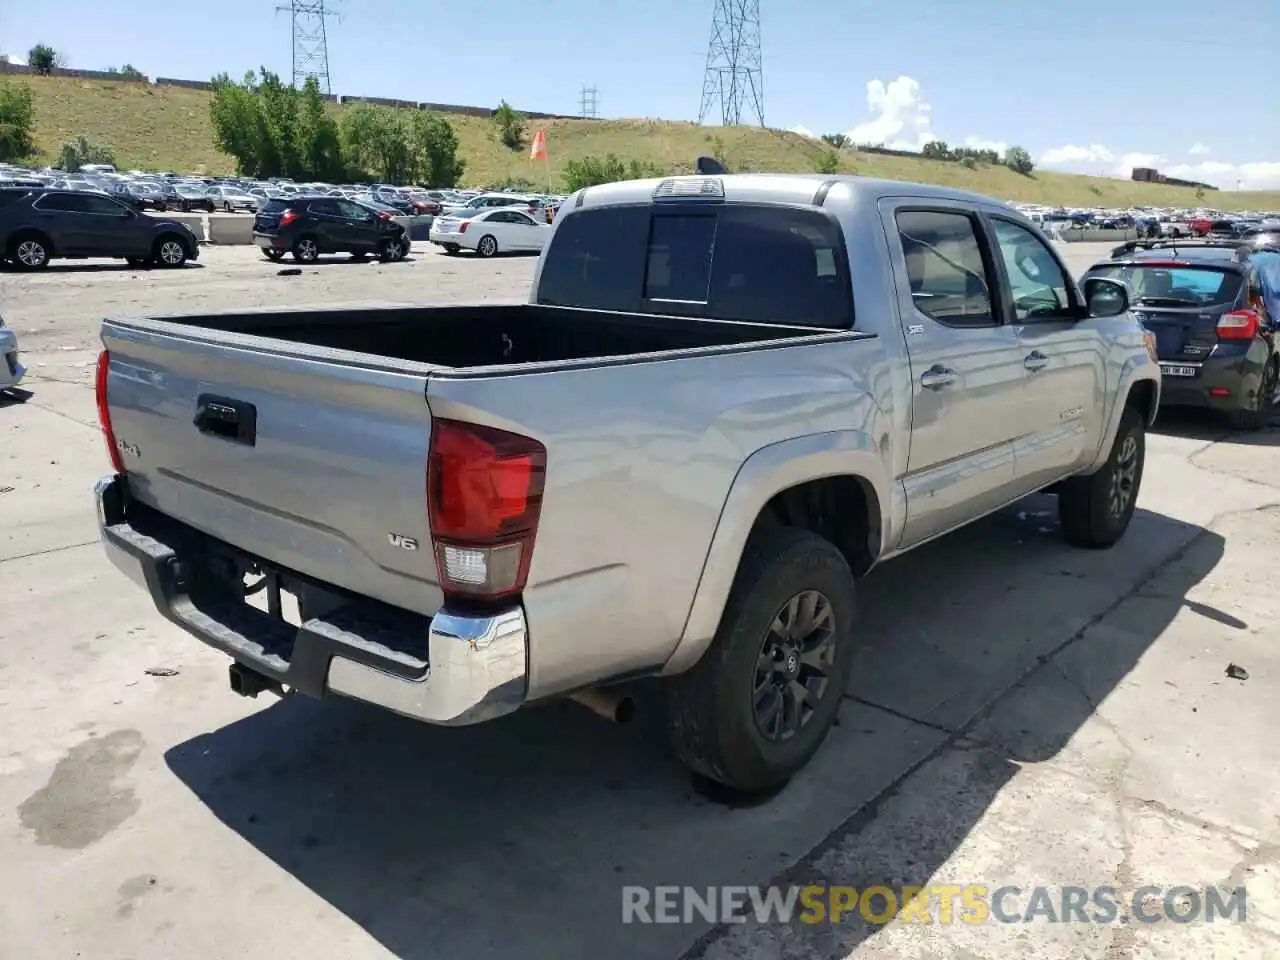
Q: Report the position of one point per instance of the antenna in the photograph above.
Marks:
(310, 41)
(735, 69)
(587, 103)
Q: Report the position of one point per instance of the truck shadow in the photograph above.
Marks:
(515, 838)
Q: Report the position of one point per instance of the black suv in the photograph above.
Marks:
(187, 197)
(37, 226)
(1205, 304)
(310, 226)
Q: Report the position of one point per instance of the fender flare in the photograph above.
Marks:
(768, 471)
(1135, 371)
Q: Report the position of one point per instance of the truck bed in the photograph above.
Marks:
(468, 337)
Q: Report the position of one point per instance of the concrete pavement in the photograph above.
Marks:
(1023, 713)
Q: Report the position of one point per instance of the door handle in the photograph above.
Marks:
(1035, 361)
(937, 377)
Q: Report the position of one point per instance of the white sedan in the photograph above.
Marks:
(487, 233)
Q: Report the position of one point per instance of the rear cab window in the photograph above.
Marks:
(1163, 284)
(726, 261)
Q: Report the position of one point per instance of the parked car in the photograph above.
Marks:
(490, 232)
(37, 226)
(309, 227)
(231, 199)
(1215, 339)
(146, 196)
(11, 370)
(187, 197)
(820, 374)
(487, 201)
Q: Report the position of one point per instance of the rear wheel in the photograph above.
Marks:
(756, 707)
(170, 251)
(1095, 510)
(29, 251)
(488, 245)
(1258, 414)
(390, 250)
(305, 249)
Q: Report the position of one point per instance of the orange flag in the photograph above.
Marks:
(539, 151)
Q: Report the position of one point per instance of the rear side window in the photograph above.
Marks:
(731, 262)
(1165, 285)
(944, 267)
(273, 206)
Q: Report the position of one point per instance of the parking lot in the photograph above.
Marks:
(1022, 713)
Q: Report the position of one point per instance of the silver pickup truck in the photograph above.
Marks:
(727, 399)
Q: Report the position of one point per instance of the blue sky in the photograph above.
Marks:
(1047, 76)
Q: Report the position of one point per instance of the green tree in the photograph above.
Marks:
(76, 153)
(510, 126)
(317, 142)
(1018, 160)
(828, 161)
(17, 122)
(937, 150)
(376, 142)
(837, 141)
(436, 146)
(240, 127)
(43, 59)
(593, 171)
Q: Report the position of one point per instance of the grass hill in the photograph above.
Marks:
(168, 128)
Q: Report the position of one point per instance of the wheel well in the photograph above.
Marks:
(1142, 397)
(31, 234)
(842, 509)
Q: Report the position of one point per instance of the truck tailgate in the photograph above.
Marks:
(313, 465)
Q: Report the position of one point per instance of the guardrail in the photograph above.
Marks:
(236, 229)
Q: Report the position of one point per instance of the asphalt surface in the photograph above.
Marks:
(1022, 714)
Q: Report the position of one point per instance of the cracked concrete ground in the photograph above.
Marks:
(1023, 714)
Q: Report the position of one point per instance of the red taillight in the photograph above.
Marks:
(484, 496)
(383, 215)
(462, 227)
(104, 412)
(1238, 325)
(288, 217)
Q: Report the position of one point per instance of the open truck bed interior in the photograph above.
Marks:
(479, 336)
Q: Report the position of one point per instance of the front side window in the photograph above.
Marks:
(1040, 287)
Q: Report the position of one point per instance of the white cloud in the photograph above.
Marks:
(1198, 149)
(1097, 159)
(900, 117)
(803, 131)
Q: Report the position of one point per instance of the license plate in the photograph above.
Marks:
(1176, 370)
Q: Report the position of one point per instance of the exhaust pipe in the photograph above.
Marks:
(618, 709)
(249, 682)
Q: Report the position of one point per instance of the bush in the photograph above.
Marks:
(43, 59)
(837, 141)
(76, 153)
(593, 171)
(510, 126)
(17, 122)
(828, 161)
(1018, 160)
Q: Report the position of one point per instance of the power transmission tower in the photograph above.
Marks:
(310, 41)
(587, 103)
(735, 71)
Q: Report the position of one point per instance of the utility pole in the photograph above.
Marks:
(587, 103)
(735, 69)
(310, 41)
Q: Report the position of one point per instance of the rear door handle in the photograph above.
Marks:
(225, 417)
(1035, 361)
(937, 377)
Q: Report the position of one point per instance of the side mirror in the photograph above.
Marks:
(1105, 298)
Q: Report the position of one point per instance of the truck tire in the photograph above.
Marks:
(759, 703)
(1095, 510)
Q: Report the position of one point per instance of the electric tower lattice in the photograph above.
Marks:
(735, 73)
(310, 41)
